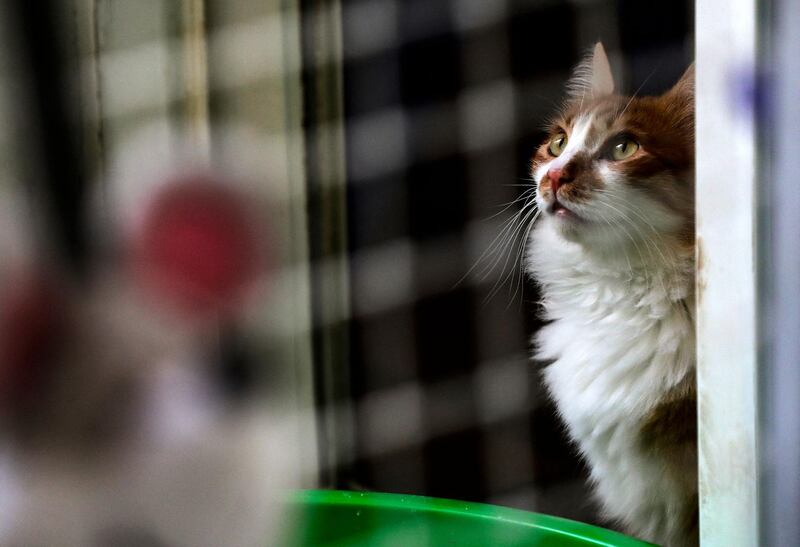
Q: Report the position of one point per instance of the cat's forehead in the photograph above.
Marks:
(602, 111)
(590, 123)
(646, 118)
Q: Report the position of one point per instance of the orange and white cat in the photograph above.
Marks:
(613, 254)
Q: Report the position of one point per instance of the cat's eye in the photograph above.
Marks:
(624, 148)
(557, 144)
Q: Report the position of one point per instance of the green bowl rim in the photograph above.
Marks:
(407, 502)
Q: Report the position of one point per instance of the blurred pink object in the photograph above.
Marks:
(198, 247)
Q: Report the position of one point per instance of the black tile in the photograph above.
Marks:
(377, 211)
(450, 405)
(542, 40)
(384, 346)
(400, 472)
(485, 52)
(421, 19)
(437, 197)
(555, 457)
(509, 447)
(445, 335)
(454, 466)
(430, 70)
(644, 25)
(371, 83)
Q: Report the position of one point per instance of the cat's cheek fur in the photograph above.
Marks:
(629, 210)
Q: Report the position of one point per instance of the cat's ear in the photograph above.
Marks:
(592, 77)
(681, 101)
(684, 88)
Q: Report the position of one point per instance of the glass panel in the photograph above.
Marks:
(779, 324)
(445, 104)
(291, 240)
(155, 319)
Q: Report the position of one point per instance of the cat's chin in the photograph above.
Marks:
(567, 223)
(558, 210)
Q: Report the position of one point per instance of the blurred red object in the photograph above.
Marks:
(32, 322)
(199, 247)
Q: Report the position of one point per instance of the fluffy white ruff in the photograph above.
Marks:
(621, 337)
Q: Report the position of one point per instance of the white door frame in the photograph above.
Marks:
(726, 177)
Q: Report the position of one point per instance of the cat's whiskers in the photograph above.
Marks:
(506, 206)
(624, 250)
(616, 199)
(636, 93)
(649, 274)
(491, 248)
(532, 213)
(670, 269)
(521, 280)
(518, 248)
(508, 236)
(495, 251)
(488, 251)
(499, 245)
(627, 233)
(647, 241)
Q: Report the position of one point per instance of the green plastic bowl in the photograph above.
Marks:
(330, 518)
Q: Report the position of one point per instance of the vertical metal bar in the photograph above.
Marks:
(53, 167)
(87, 31)
(726, 296)
(195, 65)
(325, 169)
(780, 282)
(270, 102)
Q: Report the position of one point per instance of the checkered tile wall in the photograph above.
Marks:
(444, 101)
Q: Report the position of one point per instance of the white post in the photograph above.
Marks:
(726, 272)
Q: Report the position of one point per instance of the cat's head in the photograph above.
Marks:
(616, 170)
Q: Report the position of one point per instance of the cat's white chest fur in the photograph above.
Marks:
(619, 339)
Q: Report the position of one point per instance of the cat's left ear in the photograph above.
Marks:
(684, 88)
(592, 77)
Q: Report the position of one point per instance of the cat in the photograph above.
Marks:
(613, 255)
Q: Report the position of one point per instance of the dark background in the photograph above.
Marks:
(437, 345)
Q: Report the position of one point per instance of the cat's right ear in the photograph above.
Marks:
(592, 77)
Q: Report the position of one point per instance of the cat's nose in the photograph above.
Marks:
(558, 176)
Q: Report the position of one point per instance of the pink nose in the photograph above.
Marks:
(557, 176)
